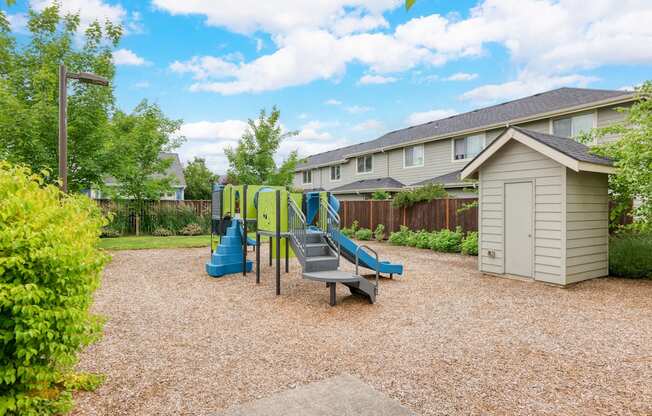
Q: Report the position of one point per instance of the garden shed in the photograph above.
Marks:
(544, 208)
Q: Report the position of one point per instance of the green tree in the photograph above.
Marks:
(252, 161)
(134, 148)
(199, 179)
(29, 94)
(632, 154)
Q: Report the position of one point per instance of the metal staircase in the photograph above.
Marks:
(319, 253)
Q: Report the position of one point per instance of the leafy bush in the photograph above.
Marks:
(426, 193)
(379, 233)
(49, 269)
(347, 232)
(400, 238)
(363, 234)
(109, 233)
(470, 244)
(162, 232)
(630, 255)
(380, 195)
(355, 226)
(191, 229)
(447, 241)
(422, 239)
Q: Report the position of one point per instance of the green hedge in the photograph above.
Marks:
(49, 268)
(444, 241)
(630, 255)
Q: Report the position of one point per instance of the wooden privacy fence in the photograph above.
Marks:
(435, 215)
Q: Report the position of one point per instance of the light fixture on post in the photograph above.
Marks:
(64, 76)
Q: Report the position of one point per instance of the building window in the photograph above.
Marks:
(307, 177)
(365, 164)
(572, 127)
(335, 173)
(413, 156)
(468, 147)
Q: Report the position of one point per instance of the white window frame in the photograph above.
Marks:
(339, 171)
(551, 122)
(357, 166)
(303, 177)
(423, 159)
(466, 159)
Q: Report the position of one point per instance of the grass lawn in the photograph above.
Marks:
(143, 242)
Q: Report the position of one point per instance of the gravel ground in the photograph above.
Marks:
(442, 340)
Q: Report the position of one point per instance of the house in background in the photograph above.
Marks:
(175, 170)
(436, 152)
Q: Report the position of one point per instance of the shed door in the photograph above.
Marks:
(518, 228)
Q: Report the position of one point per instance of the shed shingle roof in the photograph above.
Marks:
(531, 106)
(368, 184)
(569, 147)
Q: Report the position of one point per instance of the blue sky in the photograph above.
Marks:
(344, 71)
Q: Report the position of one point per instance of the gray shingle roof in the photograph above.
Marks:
(450, 178)
(569, 147)
(502, 113)
(175, 169)
(367, 184)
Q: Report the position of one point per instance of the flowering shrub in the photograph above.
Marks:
(49, 268)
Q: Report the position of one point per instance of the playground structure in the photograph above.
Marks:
(306, 225)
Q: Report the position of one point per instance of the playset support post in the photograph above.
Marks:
(257, 258)
(244, 228)
(278, 242)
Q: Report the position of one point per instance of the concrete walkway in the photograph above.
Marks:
(338, 396)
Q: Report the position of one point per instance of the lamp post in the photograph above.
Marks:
(64, 76)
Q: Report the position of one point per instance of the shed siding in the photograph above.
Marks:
(587, 232)
(517, 162)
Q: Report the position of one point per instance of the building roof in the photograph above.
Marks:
(488, 117)
(450, 179)
(175, 170)
(565, 151)
(569, 147)
(379, 184)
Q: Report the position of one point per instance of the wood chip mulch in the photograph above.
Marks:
(444, 339)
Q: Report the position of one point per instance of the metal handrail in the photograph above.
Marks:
(377, 262)
(330, 223)
(297, 226)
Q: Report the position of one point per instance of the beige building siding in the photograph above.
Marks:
(515, 163)
(587, 232)
(609, 116)
(438, 156)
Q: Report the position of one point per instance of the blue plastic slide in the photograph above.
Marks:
(365, 259)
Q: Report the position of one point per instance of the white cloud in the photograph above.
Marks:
(312, 131)
(427, 116)
(333, 101)
(208, 139)
(461, 76)
(128, 57)
(282, 16)
(18, 22)
(376, 79)
(209, 130)
(319, 40)
(358, 109)
(368, 125)
(205, 67)
(142, 84)
(525, 84)
(89, 10)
